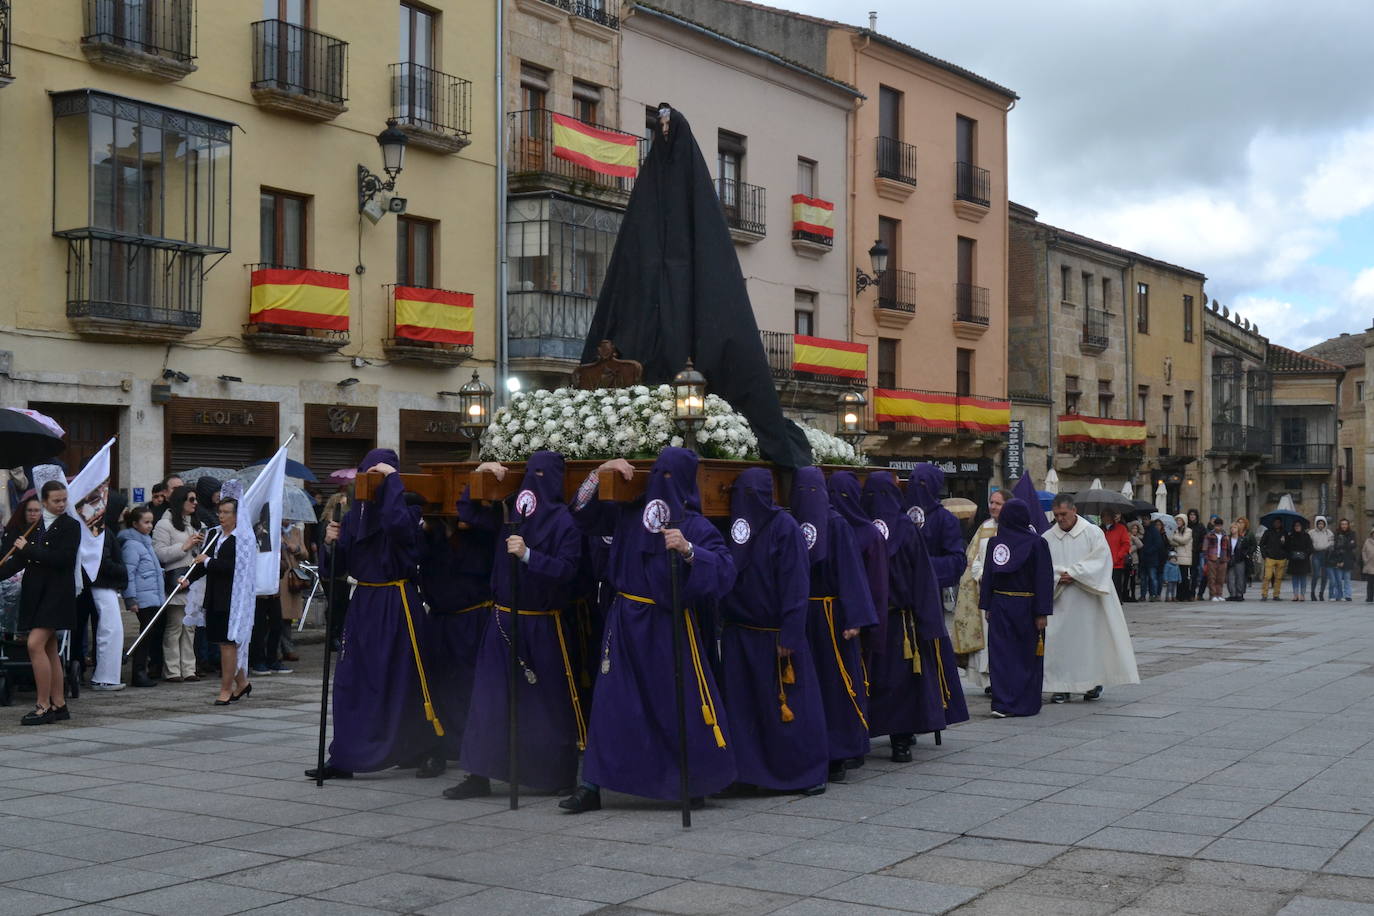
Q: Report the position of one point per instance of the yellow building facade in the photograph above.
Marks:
(187, 264)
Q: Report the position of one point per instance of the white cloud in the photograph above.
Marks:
(1362, 289)
(1343, 184)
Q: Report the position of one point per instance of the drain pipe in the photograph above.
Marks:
(502, 305)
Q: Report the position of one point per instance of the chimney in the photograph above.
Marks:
(873, 20)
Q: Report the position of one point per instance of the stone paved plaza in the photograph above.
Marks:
(1238, 778)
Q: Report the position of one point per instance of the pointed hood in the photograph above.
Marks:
(811, 508)
(1015, 538)
(671, 495)
(1026, 492)
(540, 496)
(752, 510)
(923, 492)
(883, 503)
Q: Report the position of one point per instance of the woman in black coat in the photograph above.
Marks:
(218, 570)
(1299, 558)
(47, 598)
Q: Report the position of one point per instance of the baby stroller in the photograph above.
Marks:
(14, 653)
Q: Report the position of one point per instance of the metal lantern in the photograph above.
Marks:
(689, 402)
(393, 143)
(878, 255)
(474, 399)
(849, 417)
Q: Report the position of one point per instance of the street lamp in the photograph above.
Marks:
(689, 403)
(878, 255)
(474, 401)
(849, 414)
(393, 143)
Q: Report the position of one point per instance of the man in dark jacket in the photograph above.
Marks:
(1274, 549)
(1198, 576)
(207, 501)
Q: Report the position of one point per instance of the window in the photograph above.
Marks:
(1071, 394)
(1348, 474)
(730, 170)
(1104, 397)
(887, 362)
(163, 28)
(806, 177)
(417, 35)
(963, 372)
(1168, 408)
(890, 235)
(534, 87)
(416, 241)
(1142, 308)
(1106, 294)
(1359, 391)
(417, 102)
(889, 113)
(804, 312)
(1087, 288)
(965, 134)
(1064, 274)
(1187, 408)
(283, 219)
(1142, 394)
(296, 12)
(586, 102)
(1188, 319)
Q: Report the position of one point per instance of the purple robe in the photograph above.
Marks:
(379, 714)
(549, 709)
(632, 740)
(778, 727)
(1017, 587)
(939, 528)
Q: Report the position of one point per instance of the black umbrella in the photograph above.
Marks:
(24, 441)
(1287, 516)
(1095, 502)
(1143, 508)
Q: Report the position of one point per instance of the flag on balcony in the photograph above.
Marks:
(829, 357)
(983, 415)
(436, 315)
(920, 408)
(813, 216)
(300, 298)
(609, 152)
(1101, 430)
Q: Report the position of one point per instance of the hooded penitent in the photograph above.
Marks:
(938, 526)
(1025, 491)
(751, 512)
(846, 498)
(1016, 538)
(811, 508)
(674, 291)
(1017, 587)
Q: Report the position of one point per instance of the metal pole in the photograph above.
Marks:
(502, 309)
(513, 675)
(328, 645)
(166, 602)
(679, 637)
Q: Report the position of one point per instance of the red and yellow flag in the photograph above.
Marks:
(436, 315)
(1101, 430)
(813, 216)
(609, 152)
(829, 357)
(984, 415)
(938, 411)
(300, 298)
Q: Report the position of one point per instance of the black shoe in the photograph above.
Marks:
(142, 680)
(473, 786)
(1059, 698)
(837, 772)
(61, 713)
(330, 772)
(853, 763)
(901, 749)
(432, 766)
(38, 717)
(814, 790)
(583, 799)
(247, 689)
(1094, 693)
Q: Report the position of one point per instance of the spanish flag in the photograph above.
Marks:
(984, 415)
(435, 315)
(300, 298)
(1101, 430)
(609, 152)
(937, 411)
(829, 357)
(813, 216)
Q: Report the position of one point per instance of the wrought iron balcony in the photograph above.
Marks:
(133, 290)
(533, 165)
(602, 12)
(418, 345)
(6, 75)
(548, 324)
(938, 413)
(778, 346)
(745, 208)
(1239, 439)
(434, 109)
(1096, 334)
(972, 184)
(298, 70)
(1302, 456)
(156, 38)
(971, 304)
(896, 160)
(290, 338)
(1178, 442)
(897, 290)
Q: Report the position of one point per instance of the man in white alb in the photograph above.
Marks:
(1087, 645)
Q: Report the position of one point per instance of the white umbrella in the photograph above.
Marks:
(1052, 481)
(1162, 498)
(1170, 525)
(1127, 490)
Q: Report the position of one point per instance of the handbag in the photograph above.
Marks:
(1297, 555)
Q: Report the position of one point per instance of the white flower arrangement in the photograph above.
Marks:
(629, 423)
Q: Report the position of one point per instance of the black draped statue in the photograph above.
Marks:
(674, 291)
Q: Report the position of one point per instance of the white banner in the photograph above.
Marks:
(87, 494)
(257, 555)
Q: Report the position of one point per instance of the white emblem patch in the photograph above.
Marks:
(526, 503)
(917, 515)
(1001, 554)
(809, 532)
(607, 540)
(655, 516)
(881, 526)
(739, 531)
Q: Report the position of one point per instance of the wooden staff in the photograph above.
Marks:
(328, 641)
(512, 706)
(679, 637)
(13, 549)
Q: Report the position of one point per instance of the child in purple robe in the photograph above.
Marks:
(546, 545)
(772, 696)
(841, 606)
(632, 740)
(1018, 598)
(938, 526)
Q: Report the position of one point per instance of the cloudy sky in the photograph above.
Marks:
(1235, 137)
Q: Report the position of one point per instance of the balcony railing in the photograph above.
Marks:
(939, 413)
(896, 160)
(298, 61)
(779, 347)
(294, 338)
(897, 290)
(5, 74)
(416, 343)
(160, 28)
(1178, 442)
(531, 154)
(548, 324)
(602, 12)
(1095, 329)
(970, 304)
(132, 289)
(430, 100)
(972, 184)
(745, 205)
(1239, 439)
(1302, 456)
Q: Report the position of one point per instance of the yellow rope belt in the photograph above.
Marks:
(828, 604)
(567, 670)
(998, 591)
(786, 674)
(430, 714)
(909, 650)
(475, 607)
(944, 684)
(708, 705)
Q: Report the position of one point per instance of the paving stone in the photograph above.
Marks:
(851, 857)
(286, 842)
(1010, 852)
(938, 869)
(1153, 841)
(1328, 837)
(1117, 890)
(891, 837)
(1178, 823)
(1344, 887)
(1254, 852)
(203, 898)
(1152, 868)
(295, 876)
(399, 892)
(1209, 899)
(1052, 823)
(1316, 906)
(902, 893)
(695, 898)
(590, 882)
(14, 902)
(1255, 877)
(95, 883)
(1002, 902)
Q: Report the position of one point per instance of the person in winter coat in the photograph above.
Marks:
(1154, 551)
(1322, 539)
(1367, 557)
(110, 580)
(207, 501)
(1250, 545)
(1274, 549)
(1299, 558)
(1340, 561)
(1199, 530)
(1182, 543)
(1133, 577)
(145, 591)
(178, 538)
(1119, 543)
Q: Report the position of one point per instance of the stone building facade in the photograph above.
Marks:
(1350, 501)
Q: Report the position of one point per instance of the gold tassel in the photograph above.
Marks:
(429, 714)
(788, 675)
(720, 738)
(786, 712)
(706, 715)
(1040, 645)
(907, 650)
